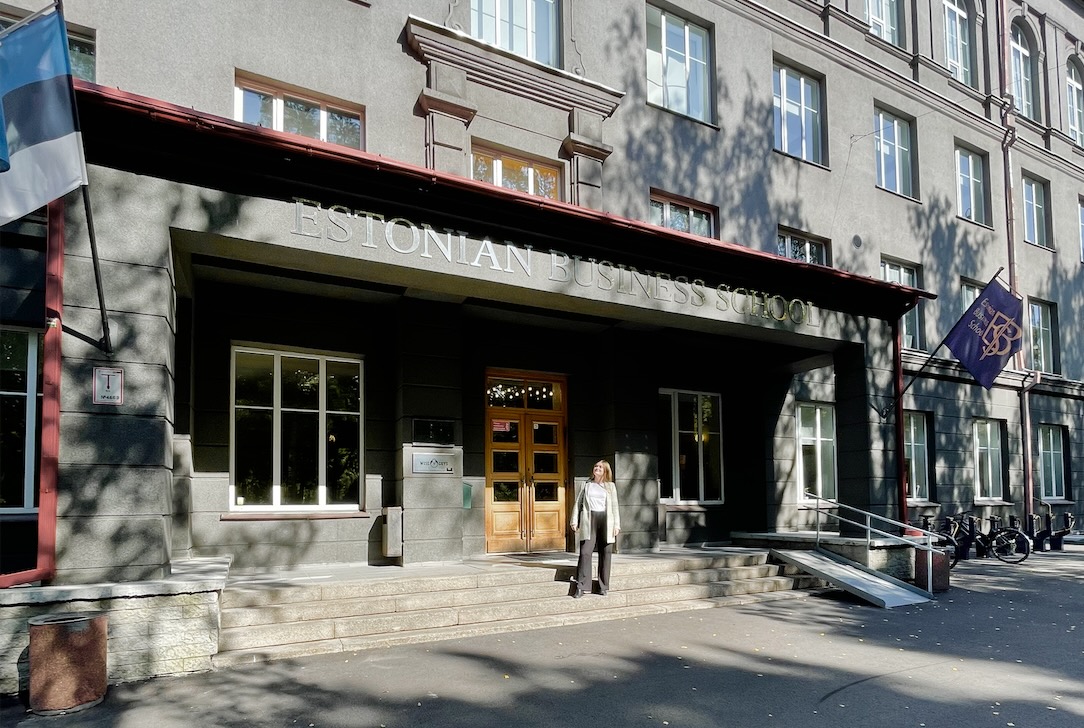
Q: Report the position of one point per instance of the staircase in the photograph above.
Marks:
(280, 620)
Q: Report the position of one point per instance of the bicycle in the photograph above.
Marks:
(1006, 543)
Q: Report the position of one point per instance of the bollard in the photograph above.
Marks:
(67, 662)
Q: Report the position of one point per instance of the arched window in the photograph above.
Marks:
(958, 41)
(1074, 94)
(1023, 72)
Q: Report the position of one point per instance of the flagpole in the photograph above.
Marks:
(29, 19)
(888, 408)
(105, 343)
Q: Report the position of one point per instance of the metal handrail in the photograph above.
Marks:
(925, 545)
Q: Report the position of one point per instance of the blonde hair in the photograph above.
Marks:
(607, 471)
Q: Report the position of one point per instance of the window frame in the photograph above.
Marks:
(1080, 218)
(819, 442)
(785, 241)
(1035, 193)
(276, 485)
(1074, 93)
(698, 71)
(1022, 69)
(32, 395)
(811, 146)
(911, 324)
(533, 164)
(668, 202)
(503, 27)
(279, 94)
(1041, 336)
(902, 153)
(976, 185)
(1052, 484)
(959, 58)
(916, 439)
(993, 488)
(885, 22)
(676, 497)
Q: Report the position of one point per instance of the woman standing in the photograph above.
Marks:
(596, 521)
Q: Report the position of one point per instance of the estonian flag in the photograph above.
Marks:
(41, 149)
(988, 333)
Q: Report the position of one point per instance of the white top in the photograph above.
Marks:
(596, 496)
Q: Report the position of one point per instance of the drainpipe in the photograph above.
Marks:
(897, 385)
(1029, 477)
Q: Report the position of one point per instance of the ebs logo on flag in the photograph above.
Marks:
(41, 149)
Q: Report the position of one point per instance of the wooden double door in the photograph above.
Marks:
(526, 490)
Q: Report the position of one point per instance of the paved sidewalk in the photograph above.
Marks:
(1003, 647)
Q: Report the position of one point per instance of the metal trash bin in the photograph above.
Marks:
(940, 569)
(67, 661)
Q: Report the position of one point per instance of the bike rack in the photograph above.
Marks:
(1047, 533)
(921, 540)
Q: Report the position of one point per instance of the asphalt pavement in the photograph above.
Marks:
(1003, 647)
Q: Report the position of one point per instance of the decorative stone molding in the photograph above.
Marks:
(495, 68)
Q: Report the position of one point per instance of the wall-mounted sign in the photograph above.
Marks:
(433, 462)
(433, 432)
(108, 386)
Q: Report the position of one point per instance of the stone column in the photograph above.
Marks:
(586, 153)
(448, 114)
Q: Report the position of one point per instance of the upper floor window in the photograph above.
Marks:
(296, 429)
(81, 51)
(1042, 336)
(892, 148)
(916, 456)
(678, 65)
(958, 41)
(800, 247)
(970, 185)
(690, 446)
(516, 173)
(969, 293)
(884, 19)
(816, 450)
(1080, 219)
(283, 110)
(1023, 72)
(685, 217)
(987, 453)
(797, 110)
(1035, 218)
(529, 28)
(911, 324)
(1074, 96)
(1051, 462)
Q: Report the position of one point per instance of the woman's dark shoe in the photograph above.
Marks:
(577, 593)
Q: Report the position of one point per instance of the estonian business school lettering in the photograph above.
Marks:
(342, 225)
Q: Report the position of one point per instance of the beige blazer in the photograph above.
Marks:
(581, 514)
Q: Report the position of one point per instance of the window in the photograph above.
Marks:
(970, 185)
(80, 51)
(678, 65)
(797, 110)
(1051, 462)
(1023, 71)
(883, 17)
(915, 455)
(988, 471)
(309, 117)
(1080, 218)
(958, 40)
(1035, 222)
(1042, 336)
(20, 415)
(690, 447)
(296, 430)
(516, 173)
(816, 450)
(911, 324)
(1074, 94)
(527, 28)
(799, 247)
(969, 293)
(687, 218)
(892, 148)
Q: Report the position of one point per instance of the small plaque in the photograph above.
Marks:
(108, 386)
(440, 463)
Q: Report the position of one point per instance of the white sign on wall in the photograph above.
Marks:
(433, 463)
(108, 385)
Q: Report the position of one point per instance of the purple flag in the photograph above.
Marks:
(988, 333)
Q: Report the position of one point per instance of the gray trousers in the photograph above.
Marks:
(596, 542)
